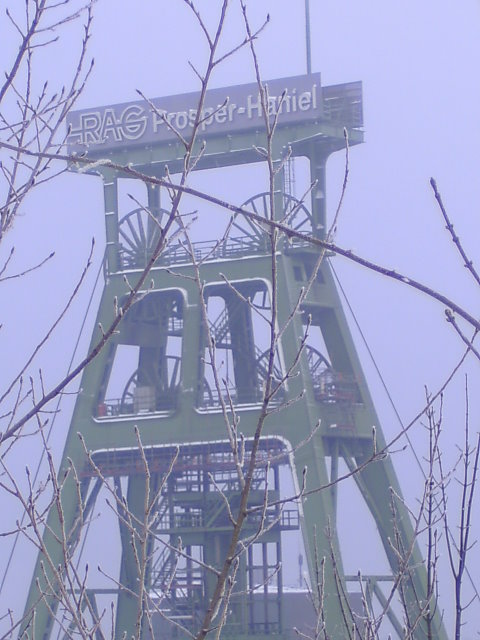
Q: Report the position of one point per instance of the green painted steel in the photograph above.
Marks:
(171, 401)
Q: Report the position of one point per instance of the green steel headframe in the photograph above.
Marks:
(323, 414)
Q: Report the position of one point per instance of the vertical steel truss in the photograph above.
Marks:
(169, 396)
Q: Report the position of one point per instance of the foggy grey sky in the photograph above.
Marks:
(421, 91)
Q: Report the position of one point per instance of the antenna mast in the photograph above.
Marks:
(307, 36)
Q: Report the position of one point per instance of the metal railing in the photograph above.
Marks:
(286, 519)
(115, 407)
(210, 399)
(332, 387)
(179, 252)
(342, 103)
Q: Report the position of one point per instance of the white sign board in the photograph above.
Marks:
(225, 111)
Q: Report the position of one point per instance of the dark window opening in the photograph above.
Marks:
(144, 371)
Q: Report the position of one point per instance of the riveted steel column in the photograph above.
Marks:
(111, 224)
(318, 160)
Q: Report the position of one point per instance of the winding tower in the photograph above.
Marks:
(155, 375)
